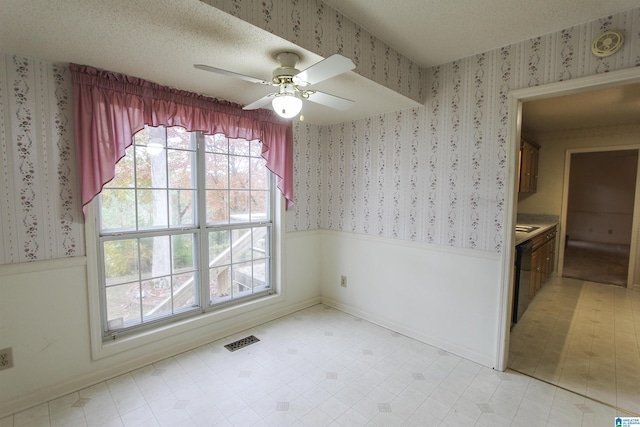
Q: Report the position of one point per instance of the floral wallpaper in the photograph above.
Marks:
(308, 176)
(40, 217)
(434, 174)
(437, 174)
(318, 28)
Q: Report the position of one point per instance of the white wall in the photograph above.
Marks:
(440, 296)
(45, 319)
(601, 196)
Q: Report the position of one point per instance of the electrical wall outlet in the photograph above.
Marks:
(343, 281)
(6, 358)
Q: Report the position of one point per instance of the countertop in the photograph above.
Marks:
(521, 236)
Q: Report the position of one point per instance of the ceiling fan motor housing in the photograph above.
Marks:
(288, 59)
(287, 68)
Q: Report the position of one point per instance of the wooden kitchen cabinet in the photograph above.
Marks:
(543, 255)
(536, 273)
(528, 177)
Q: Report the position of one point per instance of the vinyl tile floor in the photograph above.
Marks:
(319, 367)
(585, 337)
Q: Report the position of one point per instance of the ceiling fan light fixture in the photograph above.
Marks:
(286, 105)
(293, 84)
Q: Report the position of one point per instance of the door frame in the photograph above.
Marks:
(636, 205)
(515, 100)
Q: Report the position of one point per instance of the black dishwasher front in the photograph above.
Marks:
(522, 280)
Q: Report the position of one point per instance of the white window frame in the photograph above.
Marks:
(213, 314)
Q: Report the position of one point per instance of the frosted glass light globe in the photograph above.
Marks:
(286, 105)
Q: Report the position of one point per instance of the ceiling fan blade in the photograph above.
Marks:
(231, 74)
(330, 100)
(323, 70)
(260, 102)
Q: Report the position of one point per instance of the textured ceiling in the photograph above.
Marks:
(160, 40)
(456, 29)
(433, 32)
(597, 108)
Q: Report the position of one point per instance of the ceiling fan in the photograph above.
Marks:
(293, 84)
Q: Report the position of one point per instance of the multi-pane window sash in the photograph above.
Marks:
(185, 226)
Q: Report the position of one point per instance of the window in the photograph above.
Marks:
(183, 228)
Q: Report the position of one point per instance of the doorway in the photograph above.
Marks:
(599, 220)
(577, 301)
(515, 101)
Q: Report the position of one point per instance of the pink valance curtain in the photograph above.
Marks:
(110, 108)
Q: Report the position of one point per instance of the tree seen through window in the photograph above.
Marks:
(184, 226)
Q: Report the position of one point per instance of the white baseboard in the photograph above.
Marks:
(58, 390)
(411, 333)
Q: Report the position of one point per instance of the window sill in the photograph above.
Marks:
(108, 348)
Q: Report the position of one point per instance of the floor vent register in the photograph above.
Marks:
(241, 343)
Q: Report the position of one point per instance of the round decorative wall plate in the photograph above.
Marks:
(607, 43)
